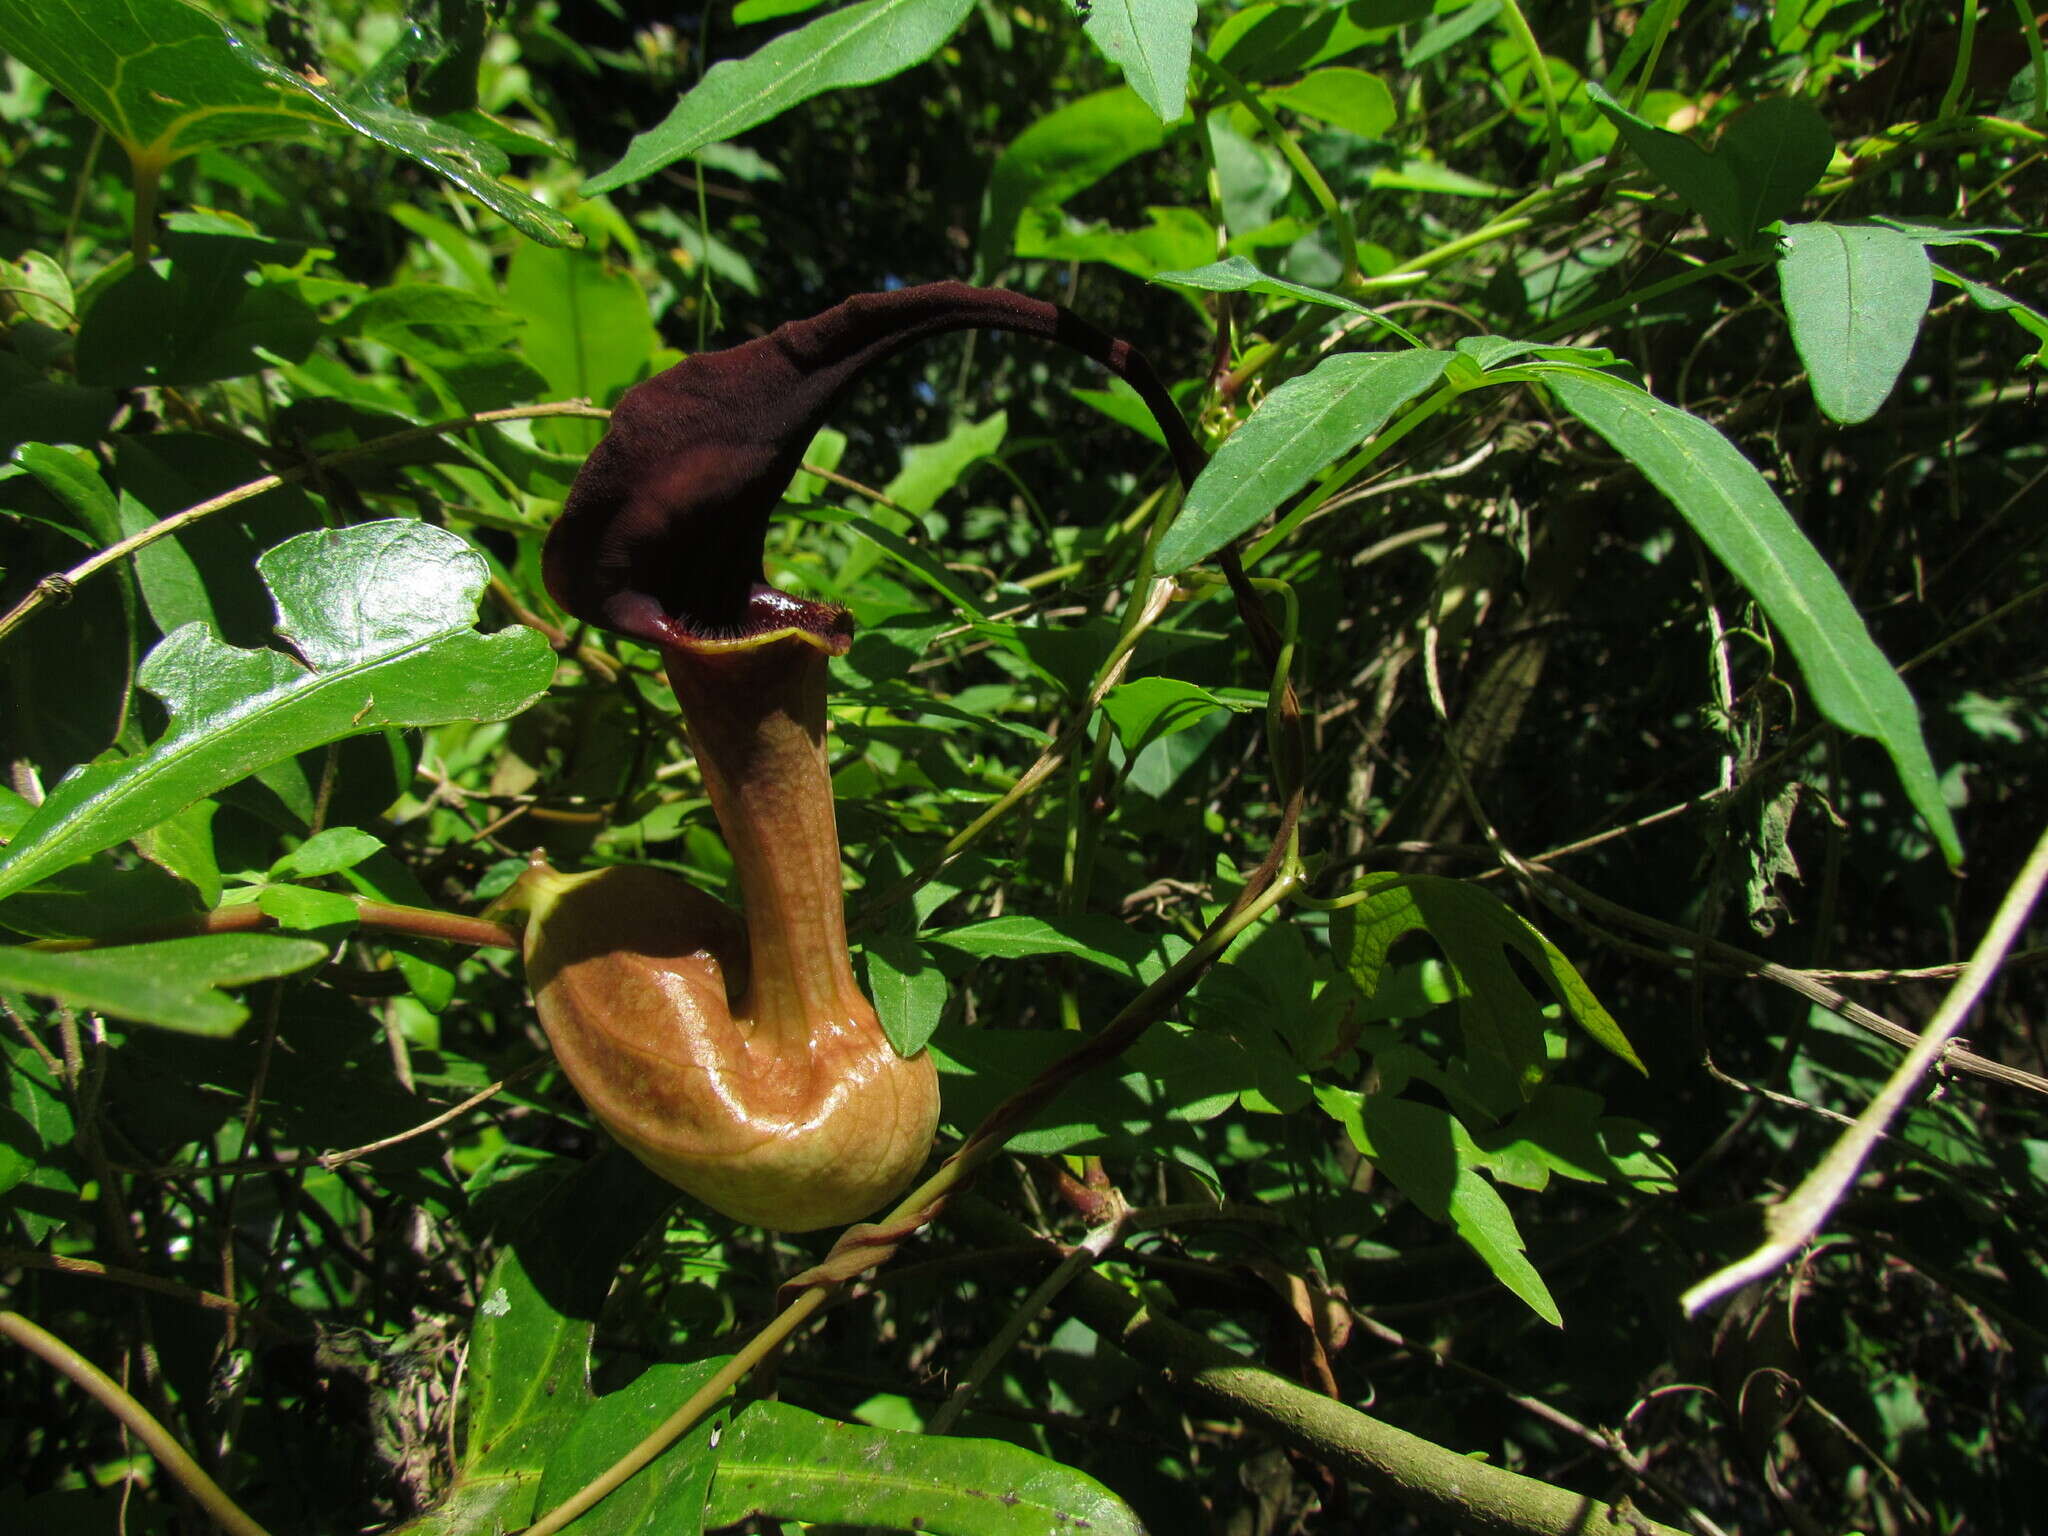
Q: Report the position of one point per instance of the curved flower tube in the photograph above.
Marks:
(741, 1062)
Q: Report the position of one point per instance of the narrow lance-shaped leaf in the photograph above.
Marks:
(1300, 427)
(1854, 294)
(381, 619)
(175, 984)
(1741, 520)
(855, 46)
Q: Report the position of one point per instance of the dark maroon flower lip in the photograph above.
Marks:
(770, 615)
(660, 539)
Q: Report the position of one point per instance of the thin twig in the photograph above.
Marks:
(170, 1455)
(1793, 1221)
(333, 1160)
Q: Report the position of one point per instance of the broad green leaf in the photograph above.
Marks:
(588, 330)
(167, 80)
(854, 46)
(908, 991)
(528, 1381)
(1175, 237)
(1475, 930)
(932, 469)
(1265, 42)
(1151, 707)
(379, 618)
(1741, 520)
(38, 289)
(176, 983)
(1768, 159)
(786, 1463)
(667, 1497)
(1299, 428)
(747, 12)
(1344, 98)
(1854, 294)
(1150, 41)
(1433, 1160)
(1236, 274)
(1063, 153)
(192, 316)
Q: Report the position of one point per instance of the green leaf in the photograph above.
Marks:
(1151, 707)
(1174, 237)
(1344, 98)
(326, 853)
(1854, 294)
(1099, 940)
(1475, 930)
(1299, 428)
(1150, 41)
(783, 1462)
(301, 909)
(1432, 1158)
(73, 478)
(35, 1143)
(529, 1357)
(930, 470)
(666, 1498)
(1063, 153)
(167, 80)
(192, 316)
(854, 46)
(908, 991)
(176, 984)
(1742, 521)
(380, 617)
(588, 330)
(1768, 159)
(1235, 274)
(1989, 299)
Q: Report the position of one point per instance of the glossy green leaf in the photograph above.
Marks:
(783, 1462)
(1855, 295)
(857, 45)
(302, 909)
(1063, 153)
(1768, 159)
(528, 1379)
(1741, 520)
(1299, 428)
(167, 80)
(1266, 42)
(1992, 301)
(908, 991)
(73, 477)
(1475, 930)
(176, 983)
(1431, 1157)
(930, 470)
(1150, 41)
(667, 1498)
(1350, 99)
(380, 620)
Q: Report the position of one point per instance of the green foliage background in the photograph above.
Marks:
(1628, 417)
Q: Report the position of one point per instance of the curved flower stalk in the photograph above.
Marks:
(740, 1061)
